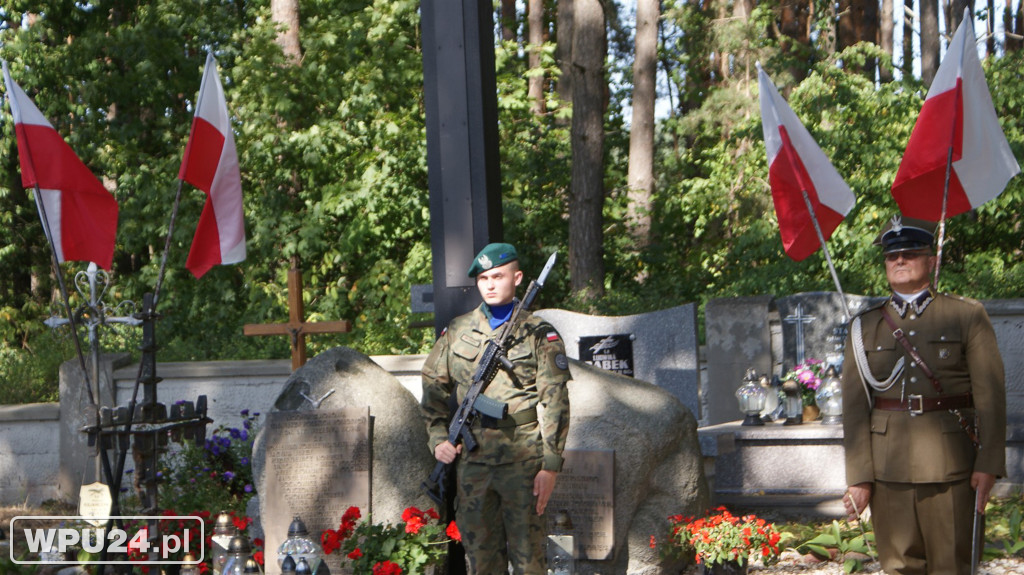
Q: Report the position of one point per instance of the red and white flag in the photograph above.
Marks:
(796, 164)
(80, 213)
(211, 164)
(957, 113)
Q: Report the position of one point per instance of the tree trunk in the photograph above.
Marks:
(957, 15)
(793, 18)
(535, 80)
(1012, 27)
(846, 28)
(990, 42)
(869, 32)
(586, 198)
(640, 176)
(563, 49)
(286, 13)
(508, 20)
(887, 26)
(929, 40)
(907, 66)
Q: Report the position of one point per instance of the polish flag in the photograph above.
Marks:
(211, 164)
(795, 165)
(80, 213)
(958, 114)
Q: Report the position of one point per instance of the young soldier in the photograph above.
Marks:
(503, 485)
(907, 452)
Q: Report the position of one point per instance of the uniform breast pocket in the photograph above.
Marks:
(944, 349)
(523, 361)
(467, 347)
(882, 356)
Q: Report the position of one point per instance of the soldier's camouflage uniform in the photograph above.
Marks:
(495, 501)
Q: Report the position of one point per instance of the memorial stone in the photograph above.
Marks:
(658, 347)
(814, 326)
(585, 490)
(317, 466)
(738, 338)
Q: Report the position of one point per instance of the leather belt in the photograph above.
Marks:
(918, 404)
(511, 420)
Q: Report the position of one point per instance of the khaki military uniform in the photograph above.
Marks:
(921, 464)
(495, 502)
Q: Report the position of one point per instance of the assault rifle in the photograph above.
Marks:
(474, 403)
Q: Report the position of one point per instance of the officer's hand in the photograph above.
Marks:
(543, 485)
(856, 499)
(446, 452)
(982, 483)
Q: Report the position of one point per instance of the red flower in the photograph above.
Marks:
(258, 557)
(387, 568)
(331, 541)
(351, 514)
(411, 512)
(355, 554)
(240, 522)
(654, 542)
(413, 525)
(453, 531)
(432, 514)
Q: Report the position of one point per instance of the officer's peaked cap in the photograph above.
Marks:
(905, 234)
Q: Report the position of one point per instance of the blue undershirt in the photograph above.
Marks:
(499, 314)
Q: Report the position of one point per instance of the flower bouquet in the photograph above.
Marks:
(723, 538)
(385, 549)
(808, 377)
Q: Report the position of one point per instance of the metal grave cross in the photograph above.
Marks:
(799, 319)
(296, 327)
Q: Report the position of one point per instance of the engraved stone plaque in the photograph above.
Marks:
(317, 465)
(585, 489)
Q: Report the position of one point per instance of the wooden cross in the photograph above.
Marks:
(296, 327)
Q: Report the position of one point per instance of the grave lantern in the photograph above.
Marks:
(299, 545)
(562, 546)
(190, 567)
(303, 567)
(829, 398)
(751, 397)
(288, 565)
(239, 551)
(793, 404)
(251, 566)
(223, 529)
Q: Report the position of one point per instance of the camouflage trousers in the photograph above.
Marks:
(497, 516)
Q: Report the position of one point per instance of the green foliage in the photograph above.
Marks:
(835, 542)
(333, 158)
(215, 475)
(1004, 528)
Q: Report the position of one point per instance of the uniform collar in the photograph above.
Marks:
(918, 304)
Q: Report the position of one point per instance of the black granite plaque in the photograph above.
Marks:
(609, 352)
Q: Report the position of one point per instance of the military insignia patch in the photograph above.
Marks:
(944, 353)
(485, 262)
(561, 361)
(552, 336)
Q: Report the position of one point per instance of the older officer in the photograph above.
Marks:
(921, 378)
(504, 484)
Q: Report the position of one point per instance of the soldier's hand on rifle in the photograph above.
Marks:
(543, 485)
(446, 452)
(982, 483)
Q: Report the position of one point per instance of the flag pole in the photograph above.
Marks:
(949, 155)
(824, 248)
(41, 207)
(167, 245)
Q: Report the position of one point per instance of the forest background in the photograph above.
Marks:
(327, 103)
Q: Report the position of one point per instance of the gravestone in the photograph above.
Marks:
(585, 491)
(814, 326)
(738, 337)
(317, 466)
(336, 380)
(662, 346)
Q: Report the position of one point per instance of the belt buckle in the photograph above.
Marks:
(910, 404)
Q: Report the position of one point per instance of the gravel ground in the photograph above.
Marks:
(792, 563)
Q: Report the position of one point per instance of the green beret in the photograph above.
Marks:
(492, 256)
